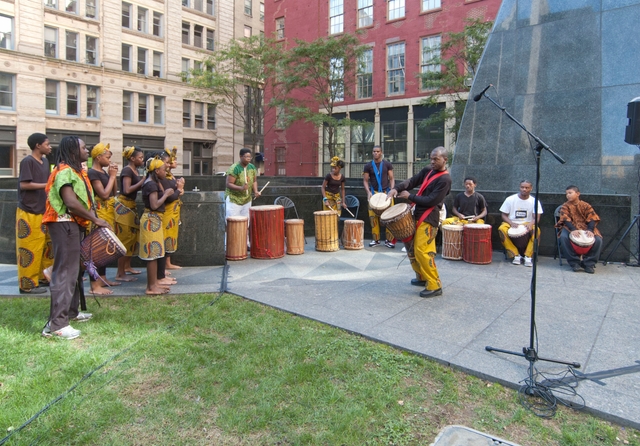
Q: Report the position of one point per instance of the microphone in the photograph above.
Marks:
(477, 97)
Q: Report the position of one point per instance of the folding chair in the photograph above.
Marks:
(287, 204)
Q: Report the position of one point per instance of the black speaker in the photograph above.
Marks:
(632, 132)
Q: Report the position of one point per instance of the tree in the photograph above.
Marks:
(458, 59)
(315, 77)
(236, 76)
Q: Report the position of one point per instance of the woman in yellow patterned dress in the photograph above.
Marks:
(173, 205)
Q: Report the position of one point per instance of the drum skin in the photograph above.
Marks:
(476, 244)
(379, 203)
(267, 231)
(237, 237)
(294, 236)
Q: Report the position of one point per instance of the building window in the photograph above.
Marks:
(186, 113)
(6, 32)
(247, 31)
(197, 67)
(248, 7)
(396, 9)
(211, 116)
(430, 50)
(126, 15)
(280, 28)
(126, 57)
(158, 110)
(71, 6)
(73, 98)
(362, 140)
(364, 88)
(142, 61)
(430, 4)
(90, 9)
(210, 40)
(336, 16)
(92, 101)
(365, 13)
(71, 46)
(197, 4)
(199, 115)
(210, 7)
(157, 64)
(51, 4)
(185, 68)
(395, 68)
(142, 107)
(50, 42)
(185, 3)
(197, 36)
(394, 141)
(281, 161)
(51, 97)
(142, 19)
(186, 29)
(91, 50)
(280, 117)
(126, 105)
(261, 12)
(336, 83)
(157, 24)
(6, 91)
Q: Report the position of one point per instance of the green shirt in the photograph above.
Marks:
(241, 197)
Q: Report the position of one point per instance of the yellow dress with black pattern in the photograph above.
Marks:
(151, 235)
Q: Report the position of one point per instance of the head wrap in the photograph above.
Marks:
(128, 151)
(154, 163)
(173, 154)
(334, 161)
(99, 149)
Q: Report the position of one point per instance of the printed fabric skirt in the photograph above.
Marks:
(106, 210)
(151, 235)
(171, 225)
(34, 250)
(127, 224)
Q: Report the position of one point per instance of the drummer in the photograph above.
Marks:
(517, 210)
(241, 180)
(468, 206)
(333, 187)
(576, 215)
(377, 178)
(434, 184)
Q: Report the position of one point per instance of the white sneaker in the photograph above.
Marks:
(527, 261)
(67, 332)
(82, 317)
(517, 260)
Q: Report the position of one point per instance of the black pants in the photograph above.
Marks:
(589, 259)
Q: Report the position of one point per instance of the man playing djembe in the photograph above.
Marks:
(578, 220)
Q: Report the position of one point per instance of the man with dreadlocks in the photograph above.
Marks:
(67, 215)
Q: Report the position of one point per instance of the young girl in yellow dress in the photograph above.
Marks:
(333, 187)
(173, 205)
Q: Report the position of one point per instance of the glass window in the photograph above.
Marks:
(394, 141)
(396, 9)
(336, 82)
(90, 9)
(185, 3)
(248, 7)
(199, 115)
(142, 61)
(6, 91)
(51, 4)
(261, 12)
(71, 46)
(210, 41)
(126, 57)
(92, 101)
(210, 7)
(365, 13)
(51, 97)
(336, 16)
(280, 117)
(395, 68)
(158, 110)
(157, 24)
(126, 105)
(142, 19)
(247, 31)
(73, 96)
(280, 28)
(430, 4)
(185, 68)
(197, 66)
(211, 116)
(186, 113)
(430, 50)
(91, 50)
(50, 42)
(6, 32)
(142, 107)
(362, 140)
(364, 88)
(186, 28)
(197, 4)
(157, 64)
(197, 36)
(71, 6)
(126, 15)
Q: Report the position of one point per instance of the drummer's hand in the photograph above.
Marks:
(472, 219)
(256, 194)
(245, 187)
(403, 194)
(344, 205)
(589, 233)
(102, 223)
(529, 226)
(514, 225)
(392, 193)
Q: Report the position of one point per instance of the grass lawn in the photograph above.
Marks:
(221, 370)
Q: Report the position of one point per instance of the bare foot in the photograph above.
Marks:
(126, 279)
(154, 291)
(111, 282)
(132, 271)
(97, 289)
(172, 266)
(167, 281)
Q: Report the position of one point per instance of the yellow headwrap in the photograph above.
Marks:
(99, 149)
(154, 163)
(334, 161)
(128, 151)
(173, 153)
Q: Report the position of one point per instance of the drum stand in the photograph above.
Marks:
(634, 222)
(531, 387)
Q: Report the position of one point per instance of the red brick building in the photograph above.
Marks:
(401, 36)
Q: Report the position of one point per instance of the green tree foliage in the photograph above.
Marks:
(459, 58)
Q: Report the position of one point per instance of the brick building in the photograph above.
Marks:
(402, 36)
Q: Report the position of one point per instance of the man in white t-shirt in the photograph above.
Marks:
(518, 210)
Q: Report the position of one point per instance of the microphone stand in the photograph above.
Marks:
(531, 387)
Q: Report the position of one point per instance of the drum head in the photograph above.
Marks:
(394, 211)
(517, 232)
(380, 201)
(581, 238)
(238, 218)
(452, 227)
(114, 238)
(476, 226)
(266, 207)
(294, 221)
(324, 213)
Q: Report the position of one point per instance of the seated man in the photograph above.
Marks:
(517, 210)
(468, 206)
(577, 215)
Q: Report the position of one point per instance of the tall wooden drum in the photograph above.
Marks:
(452, 242)
(353, 234)
(326, 231)
(267, 231)
(476, 244)
(294, 235)
(237, 237)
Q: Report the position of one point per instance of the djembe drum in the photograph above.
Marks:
(237, 237)
(476, 243)
(399, 221)
(326, 231)
(353, 234)
(100, 248)
(581, 241)
(520, 238)
(452, 242)
(294, 235)
(379, 203)
(267, 231)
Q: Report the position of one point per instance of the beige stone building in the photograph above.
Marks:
(112, 71)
